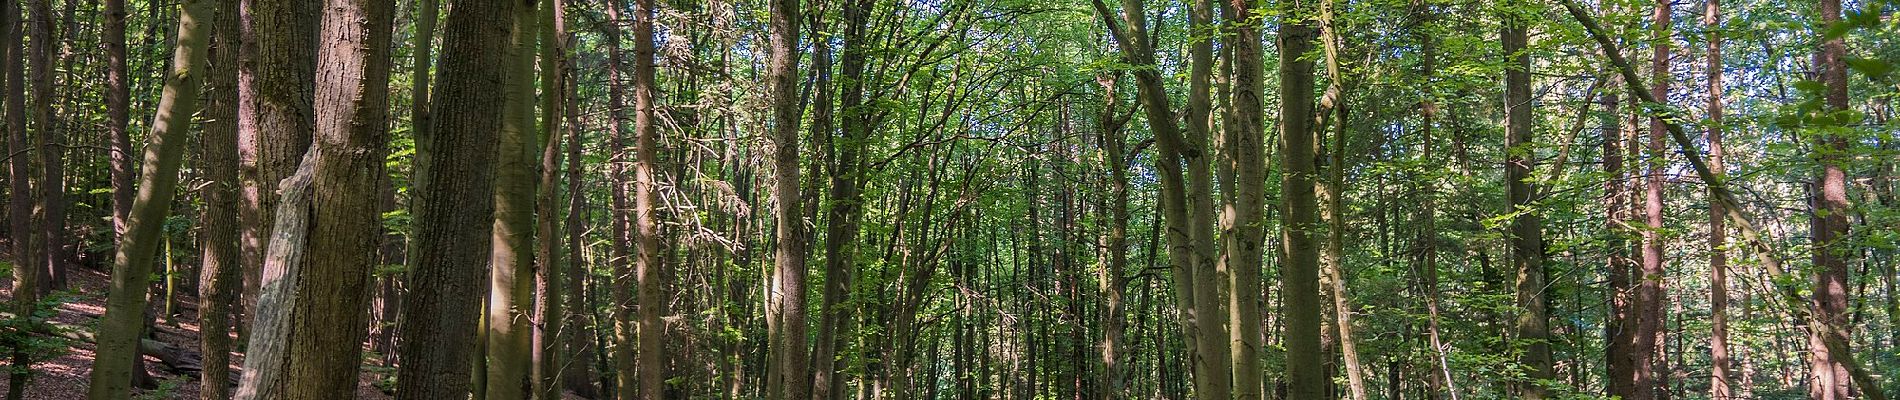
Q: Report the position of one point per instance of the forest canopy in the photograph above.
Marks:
(950, 199)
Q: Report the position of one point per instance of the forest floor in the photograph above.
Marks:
(65, 377)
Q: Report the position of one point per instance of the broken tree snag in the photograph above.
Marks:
(268, 352)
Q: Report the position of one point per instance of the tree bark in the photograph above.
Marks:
(551, 315)
(51, 187)
(649, 266)
(785, 314)
(511, 279)
(841, 231)
(453, 204)
(118, 99)
(219, 279)
(276, 79)
(1719, 359)
(111, 376)
(1306, 375)
(20, 194)
(1332, 274)
(1829, 223)
(1245, 251)
(1526, 232)
(344, 231)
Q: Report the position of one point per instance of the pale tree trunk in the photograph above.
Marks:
(1526, 231)
(1828, 376)
(453, 211)
(550, 314)
(785, 314)
(1719, 359)
(276, 84)
(1306, 373)
(1332, 210)
(649, 265)
(1246, 152)
(218, 277)
(511, 279)
(111, 376)
(1214, 364)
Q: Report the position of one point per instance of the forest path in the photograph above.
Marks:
(65, 377)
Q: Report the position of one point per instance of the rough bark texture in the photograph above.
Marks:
(111, 376)
(219, 280)
(621, 213)
(351, 132)
(20, 192)
(785, 315)
(267, 354)
(118, 98)
(453, 197)
(1332, 209)
(51, 187)
(511, 278)
(1110, 382)
(276, 82)
(1526, 232)
(649, 267)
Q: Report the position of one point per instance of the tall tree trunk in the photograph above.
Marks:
(1828, 376)
(118, 99)
(1130, 32)
(1306, 374)
(579, 371)
(511, 280)
(649, 266)
(1527, 232)
(551, 316)
(51, 197)
(351, 108)
(841, 231)
(1111, 384)
(20, 196)
(1620, 364)
(218, 156)
(118, 338)
(276, 78)
(1651, 284)
(621, 213)
(1719, 359)
(1245, 250)
(453, 210)
(785, 314)
(1427, 253)
(1332, 211)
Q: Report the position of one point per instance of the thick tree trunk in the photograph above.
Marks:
(118, 99)
(511, 279)
(1526, 232)
(1651, 287)
(785, 314)
(649, 266)
(1245, 250)
(111, 376)
(1828, 376)
(453, 204)
(344, 232)
(51, 187)
(1306, 374)
(276, 81)
(20, 206)
(219, 281)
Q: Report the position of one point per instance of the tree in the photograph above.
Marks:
(789, 376)
(511, 284)
(276, 82)
(453, 203)
(1829, 378)
(111, 376)
(1526, 232)
(1719, 359)
(219, 278)
(649, 268)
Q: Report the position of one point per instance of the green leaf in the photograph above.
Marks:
(1872, 68)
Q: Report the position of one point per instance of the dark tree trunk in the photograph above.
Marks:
(218, 157)
(1526, 232)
